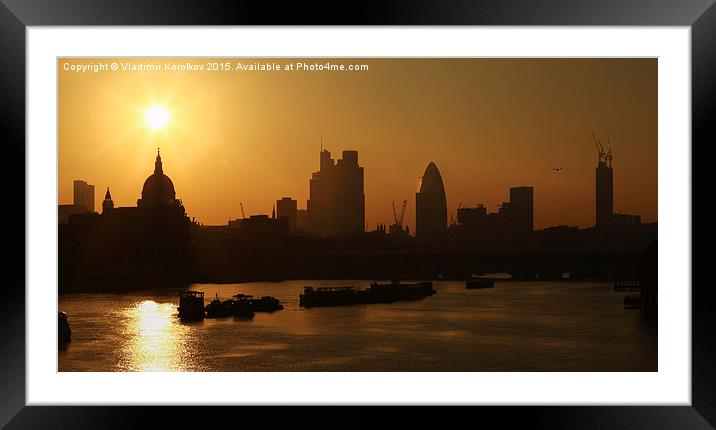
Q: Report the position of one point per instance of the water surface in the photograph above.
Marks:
(517, 326)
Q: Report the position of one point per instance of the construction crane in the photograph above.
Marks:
(605, 154)
(402, 212)
(399, 219)
(243, 215)
(397, 227)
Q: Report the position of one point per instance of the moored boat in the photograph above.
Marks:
(396, 291)
(265, 304)
(242, 309)
(328, 296)
(632, 301)
(376, 293)
(478, 283)
(218, 308)
(191, 305)
(64, 334)
(242, 305)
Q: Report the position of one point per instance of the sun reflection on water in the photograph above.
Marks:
(156, 340)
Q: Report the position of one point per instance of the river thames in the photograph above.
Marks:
(517, 326)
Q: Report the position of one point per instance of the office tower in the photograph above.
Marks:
(337, 201)
(604, 184)
(431, 206)
(302, 219)
(286, 208)
(319, 196)
(84, 195)
(521, 210)
(604, 193)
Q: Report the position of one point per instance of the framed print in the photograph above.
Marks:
(476, 214)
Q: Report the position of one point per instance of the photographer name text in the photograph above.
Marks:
(212, 66)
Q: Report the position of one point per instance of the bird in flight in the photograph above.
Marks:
(556, 169)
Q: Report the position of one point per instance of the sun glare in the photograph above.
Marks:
(156, 117)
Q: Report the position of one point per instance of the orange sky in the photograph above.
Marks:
(254, 136)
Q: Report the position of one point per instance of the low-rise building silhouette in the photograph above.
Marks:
(149, 242)
(302, 219)
(508, 228)
(65, 211)
(261, 228)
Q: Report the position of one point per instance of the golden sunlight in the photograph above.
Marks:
(156, 117)
(157, 340)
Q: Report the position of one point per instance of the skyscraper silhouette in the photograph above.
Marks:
(84, 195)
(337, 201)
(604, 191)
(286, 208)
(520, 215)
(431, 206)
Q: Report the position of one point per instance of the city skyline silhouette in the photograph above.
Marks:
(216, 168)
(412, 215)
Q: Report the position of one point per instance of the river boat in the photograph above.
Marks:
(191, 305)
(377, 293)
(479, 283)
(64, 333)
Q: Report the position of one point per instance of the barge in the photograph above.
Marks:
(376, 293)
(479, 283)
(242, 305)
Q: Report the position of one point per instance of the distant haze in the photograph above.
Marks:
(255, 136)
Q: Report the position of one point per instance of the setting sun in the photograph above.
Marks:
(156, 117)
(221, 128)
(338, 214)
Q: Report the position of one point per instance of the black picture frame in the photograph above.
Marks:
(16, 15)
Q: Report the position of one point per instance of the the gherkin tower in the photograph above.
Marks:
(431, 206)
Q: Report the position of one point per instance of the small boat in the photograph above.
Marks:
(479, 283)
(265, 304)
(627, 286)
(632, 301)
(327, 296)
(64, 334)
(191, 305)
(242, 309)
(377, 293)
(217, 308)
(396, 291)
